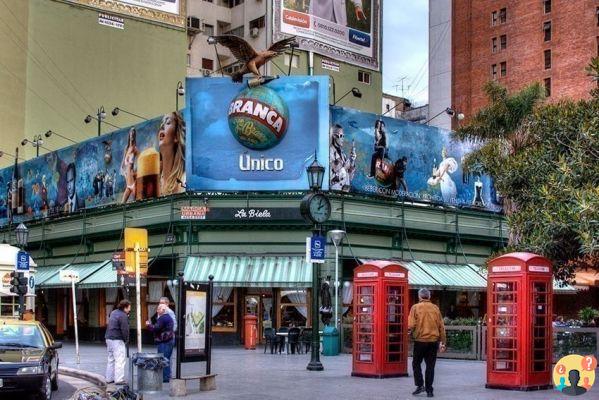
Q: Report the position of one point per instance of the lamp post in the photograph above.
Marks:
(354, 91)
(100, 116)
(449, 111)
(180, 92)
(37, 142)
(51, 132)
(117, 110)
(22, 236)
(337, 237)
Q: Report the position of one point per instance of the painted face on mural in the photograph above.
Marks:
(167, 132)
(71, 181)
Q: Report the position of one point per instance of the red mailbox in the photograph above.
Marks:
(519, 337)
(250, 326)
(380, 337)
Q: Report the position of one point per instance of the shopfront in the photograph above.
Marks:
(9, 302)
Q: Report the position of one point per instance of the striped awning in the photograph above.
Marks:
(455, 276)
(105, 277)
(84, 270)
(44, 273)
(250, 271)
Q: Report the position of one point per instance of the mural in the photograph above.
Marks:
(255, 138)
(395, 158)
(136, 163)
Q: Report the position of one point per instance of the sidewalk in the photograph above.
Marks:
(244, 374)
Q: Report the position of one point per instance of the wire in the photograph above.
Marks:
(349, 243)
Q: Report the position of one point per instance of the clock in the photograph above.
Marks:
(316, 208)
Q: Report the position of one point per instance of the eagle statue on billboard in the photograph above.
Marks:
(251, 59)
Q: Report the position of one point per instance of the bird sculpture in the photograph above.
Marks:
(252, 60)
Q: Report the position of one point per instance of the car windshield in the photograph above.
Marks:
(13, 335)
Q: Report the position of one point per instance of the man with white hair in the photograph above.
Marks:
(164, 337)
(426, 326)
(171, 313)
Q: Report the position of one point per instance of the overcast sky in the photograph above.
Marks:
(405, 49)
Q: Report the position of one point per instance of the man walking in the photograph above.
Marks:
(164, 337)
(427, 328)
(117, 335)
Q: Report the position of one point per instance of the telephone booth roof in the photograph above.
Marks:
(380, 265)
(516, 262)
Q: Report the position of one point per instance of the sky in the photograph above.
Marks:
(405, 49)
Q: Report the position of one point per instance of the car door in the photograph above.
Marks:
(52, 353)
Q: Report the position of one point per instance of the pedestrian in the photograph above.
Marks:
(428, 331)
(117, 335)
(164, 337)
(166, 302)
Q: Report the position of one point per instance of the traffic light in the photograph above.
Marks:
(18, 283)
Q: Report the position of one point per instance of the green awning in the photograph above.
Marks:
(250, 271)
(455, 276)
(42, 274)
(85, 270)
(105, 277)
(417, 278)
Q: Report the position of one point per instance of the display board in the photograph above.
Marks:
(195, 345)
(255, 138)
(345, 30)
(399, 159)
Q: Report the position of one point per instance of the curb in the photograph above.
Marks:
(96, 379)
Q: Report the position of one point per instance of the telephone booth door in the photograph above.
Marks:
(519, 331)
(396, 332)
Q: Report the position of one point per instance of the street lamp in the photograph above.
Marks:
(354, 91)
(336, 237)
(22, 234)
(51, 132)
(180, 92)
(117, 110)
(100, 116)
(449, 111)
(315, 175)
(37, 142)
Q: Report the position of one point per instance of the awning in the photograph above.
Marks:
(84, 270)
(250, 271)
(417, 278)
(44, 273)
(455, 276)
(105, 277)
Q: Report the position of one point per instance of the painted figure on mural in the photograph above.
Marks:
(171, 145)
(441, 177)
(335, 11)
(400, 169)
(73, 203)
(128, 166)
(380, 146)
(343, 167)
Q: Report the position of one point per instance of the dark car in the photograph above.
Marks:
(28, 359)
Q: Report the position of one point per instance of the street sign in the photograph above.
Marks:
(32, 284)
(316, 249)
(170, 238)
(22, 262)
(67, 275)
(118, 261)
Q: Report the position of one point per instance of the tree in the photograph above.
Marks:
(544, 159)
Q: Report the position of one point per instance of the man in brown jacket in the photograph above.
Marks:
(426, 326)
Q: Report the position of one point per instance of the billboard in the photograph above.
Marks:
(255, 138)
(170, 12)
(400, 159)
(346, 30)
(140, 162)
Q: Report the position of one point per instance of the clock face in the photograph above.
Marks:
(320, 208)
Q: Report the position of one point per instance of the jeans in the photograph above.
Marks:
(115, 368)
(426, 351)
(167, 350)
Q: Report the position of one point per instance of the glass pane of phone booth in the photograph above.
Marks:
(504, 327)
(364, 313)
(394, 308)
(540, 326)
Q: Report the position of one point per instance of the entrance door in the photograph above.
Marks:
(394, 316)
(503, 328)
(364, 334)
(541, 328)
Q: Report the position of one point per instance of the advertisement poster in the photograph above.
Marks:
(260, 138)
(140, 162)
(195, 323)
(170, 12)
(400, 159)
(346, 30)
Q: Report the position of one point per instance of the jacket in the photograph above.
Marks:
(163, 329)
(426, 322)
(118, 326)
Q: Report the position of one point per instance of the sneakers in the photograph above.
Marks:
(419, 389)
(429, 394)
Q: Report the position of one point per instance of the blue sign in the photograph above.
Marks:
(22, 263)
(261, 138)
(318, 248)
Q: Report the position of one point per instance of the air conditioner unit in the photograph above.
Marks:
(254, 32)
(194, 24)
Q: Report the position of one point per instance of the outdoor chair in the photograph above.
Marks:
(306, 339)
(293, 341)
(270, 339)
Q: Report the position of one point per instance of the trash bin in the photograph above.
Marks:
(330, 341)
(149, 371)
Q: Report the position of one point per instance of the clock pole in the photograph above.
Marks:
(315, 364)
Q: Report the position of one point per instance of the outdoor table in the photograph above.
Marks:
(286, 336)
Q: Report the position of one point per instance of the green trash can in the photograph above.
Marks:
(330, 341)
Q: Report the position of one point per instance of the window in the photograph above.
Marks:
(208, 30)
(294, 61)
(224, 308)
(236, 31)
(503, 42)
(494, 45)
(293, 307)
(547, 31)
(257, 23)
(503, 15)
(547, 83)
(233, 3)
(494, 18)
(188, 60)
(547, 54)
(207, 64)
(494, 71)
(597, 14)
(364, 77)
(503, 67)
(547, 6)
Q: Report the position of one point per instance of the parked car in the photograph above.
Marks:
(28, 358)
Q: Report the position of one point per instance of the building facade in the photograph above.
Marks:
(512, 42)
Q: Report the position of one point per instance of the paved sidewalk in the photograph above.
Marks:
(244, 374)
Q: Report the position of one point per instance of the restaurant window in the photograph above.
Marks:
(293, 308)
(547, 6)
(547, 83)
(294, 61)
(547, 31)
(494, 45)
(257, 23)
(207, 64)
(224, 309)
(8, 306)
(494, 71)
(503, 67)
(503, 42)
(208, 30)
(547, 55)
(494, 18)
(503, 16)
(364, 77)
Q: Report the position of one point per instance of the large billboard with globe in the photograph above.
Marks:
(248, 136)
(400, 159)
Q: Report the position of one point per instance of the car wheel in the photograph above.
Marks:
(45, 392)
(54, 381)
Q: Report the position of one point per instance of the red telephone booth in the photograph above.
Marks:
(519, 334)
(380, 337)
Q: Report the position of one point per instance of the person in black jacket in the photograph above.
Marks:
(380, 146)
(117, 335)
(164, 337)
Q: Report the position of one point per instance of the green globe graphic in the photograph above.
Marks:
(258, 118)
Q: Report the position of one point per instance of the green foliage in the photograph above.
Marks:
(588, 314)
(545, 162)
